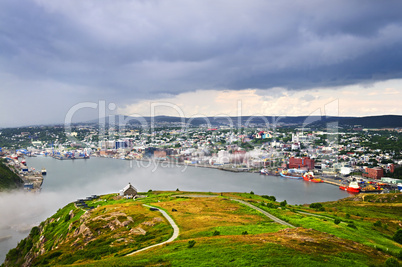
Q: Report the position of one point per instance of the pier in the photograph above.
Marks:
(326, 180)
(32, 183)
(32, 179)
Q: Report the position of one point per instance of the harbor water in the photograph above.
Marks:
(68, 180)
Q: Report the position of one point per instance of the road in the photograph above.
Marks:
(269, 215)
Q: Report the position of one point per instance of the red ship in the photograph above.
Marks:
(352, 188)
(309, 176)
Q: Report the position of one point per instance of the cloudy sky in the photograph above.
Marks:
(198, 58)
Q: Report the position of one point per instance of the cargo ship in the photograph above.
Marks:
(309, 177)
(292, 174)
(353, 187)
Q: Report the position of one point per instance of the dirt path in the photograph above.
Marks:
(195, 195)
(173, 237)
(316, 215)
(269, 215)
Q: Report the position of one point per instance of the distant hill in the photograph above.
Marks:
(218, 120)
(384, 121)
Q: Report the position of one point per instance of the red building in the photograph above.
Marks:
(374, 173)
(297, 163)
(391, 168)
(160, 154)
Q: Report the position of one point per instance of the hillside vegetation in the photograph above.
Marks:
(216, 230)
(8, 179)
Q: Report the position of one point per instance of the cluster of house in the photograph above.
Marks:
(246, 149)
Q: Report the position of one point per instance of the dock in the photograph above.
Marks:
(33, 182)
(330, 181)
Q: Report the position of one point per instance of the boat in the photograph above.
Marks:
(353, 187)
(292, 174)
(309, 177)
(264, 171)
(399, 185)
(43, 171)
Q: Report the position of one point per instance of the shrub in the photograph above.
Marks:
(399, 255)
(272, 198)
(96, 257)
(251, 193)
(271, 205)
(177, 189)
(377, 224)
(392, 262)
(55, 254)
(215, 233)
(398, 236)
(67, 218)
(244, 233)
(283, 203)
(347, 215)
(191, 243)
(12, 255)
(315, 206)
(34, 231)
(352, 225)
(337, 221)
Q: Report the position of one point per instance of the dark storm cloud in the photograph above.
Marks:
(127, 50)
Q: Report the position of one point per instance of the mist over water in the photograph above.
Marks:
(68, 180)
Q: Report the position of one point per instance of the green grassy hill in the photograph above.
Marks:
(215, 230)
(8, 179)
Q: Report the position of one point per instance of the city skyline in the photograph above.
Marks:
(277, 59)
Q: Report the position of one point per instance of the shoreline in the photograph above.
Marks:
(327, 180)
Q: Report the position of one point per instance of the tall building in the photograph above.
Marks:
(374, 173)
(298, 163)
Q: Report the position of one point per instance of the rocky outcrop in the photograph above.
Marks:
(110, 228)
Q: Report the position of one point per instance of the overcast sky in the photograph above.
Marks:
(205, 57)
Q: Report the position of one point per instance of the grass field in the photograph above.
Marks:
(215, 230)
(291, 247)
(199, 217)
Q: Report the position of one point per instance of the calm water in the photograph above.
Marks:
(71, 179)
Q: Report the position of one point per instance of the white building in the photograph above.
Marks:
(223, 157)
(345, 170)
